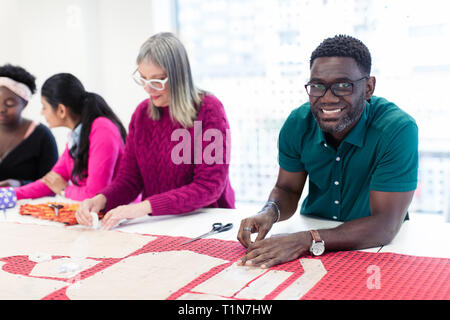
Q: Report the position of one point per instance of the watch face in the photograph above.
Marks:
(317, 248)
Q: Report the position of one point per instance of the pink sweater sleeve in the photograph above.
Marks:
(201, 187)
(105, 149)
(39, 189)
(128, 182)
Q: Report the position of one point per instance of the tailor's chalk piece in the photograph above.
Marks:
(95, 221)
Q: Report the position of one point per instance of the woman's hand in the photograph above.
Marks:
(95, 204)
(130, 211)
(55, 182)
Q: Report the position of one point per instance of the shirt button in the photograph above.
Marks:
(325, 145)
(336, 183)
(336, 202)
(334, 217)
(338, 159)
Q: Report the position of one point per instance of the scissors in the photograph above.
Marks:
(56, 207)
(216, 228)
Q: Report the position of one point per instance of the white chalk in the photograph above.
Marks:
(95, 224)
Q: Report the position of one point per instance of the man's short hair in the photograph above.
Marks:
(344, 46)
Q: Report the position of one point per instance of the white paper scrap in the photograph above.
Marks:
(39, 257)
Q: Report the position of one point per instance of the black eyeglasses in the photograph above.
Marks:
(339, 89)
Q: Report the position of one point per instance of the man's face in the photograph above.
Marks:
(338, 115)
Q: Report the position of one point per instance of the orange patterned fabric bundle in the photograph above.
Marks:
(47, 211)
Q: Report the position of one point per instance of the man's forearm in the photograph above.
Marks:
(287, 201)
(362, 233)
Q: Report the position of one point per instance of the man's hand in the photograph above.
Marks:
(276, 250)
(55, 182)
(260, 223)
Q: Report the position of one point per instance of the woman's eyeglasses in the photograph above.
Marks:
(156, 84)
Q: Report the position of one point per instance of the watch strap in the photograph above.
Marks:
(315, 235)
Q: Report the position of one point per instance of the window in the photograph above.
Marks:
(254, 56)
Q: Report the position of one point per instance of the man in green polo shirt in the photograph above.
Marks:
(359, 151)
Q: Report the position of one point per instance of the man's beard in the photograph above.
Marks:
(346, 121)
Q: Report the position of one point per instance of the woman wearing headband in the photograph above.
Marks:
(27, 149)
(95, 145)
(162, 128)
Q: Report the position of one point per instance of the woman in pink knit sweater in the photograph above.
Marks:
(177, 147)
(95, 145)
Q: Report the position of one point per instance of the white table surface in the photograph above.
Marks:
(422, 237)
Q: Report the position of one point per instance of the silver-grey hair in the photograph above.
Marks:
(166, 51)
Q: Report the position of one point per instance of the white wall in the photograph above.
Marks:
(96, 40)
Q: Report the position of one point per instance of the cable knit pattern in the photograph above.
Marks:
(171, 188)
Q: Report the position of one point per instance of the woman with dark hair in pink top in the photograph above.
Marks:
(95, 144)
(177, 148)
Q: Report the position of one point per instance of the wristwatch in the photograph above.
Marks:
(318, 245)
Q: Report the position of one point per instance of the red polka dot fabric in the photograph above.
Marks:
(352, 275)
